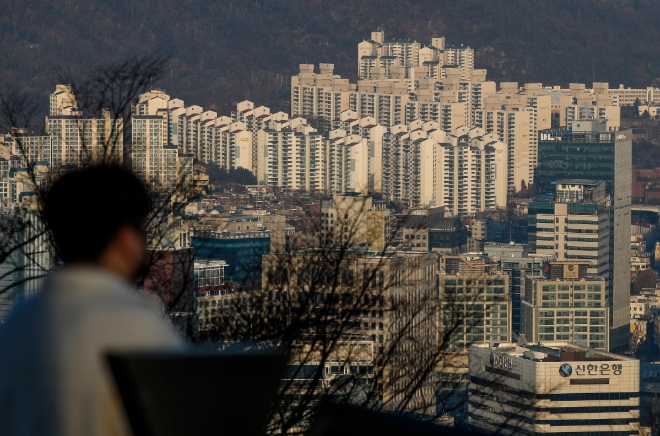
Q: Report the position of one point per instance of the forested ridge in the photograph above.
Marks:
(224, 51)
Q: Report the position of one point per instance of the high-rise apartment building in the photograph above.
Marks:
(292, 157)
(71, 139)
(23, 270)
(610, 114)
(255, 119)
(369, 129)
(229, 142)
(379, 55)
(77, 140)
(590, 151)
(516, 119)
(566, 304)
(347, 163)
(390, 101)
(63, 101)
(516, 130)
(425, 166)
(156, 163)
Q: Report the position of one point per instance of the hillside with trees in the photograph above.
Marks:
(225, 51)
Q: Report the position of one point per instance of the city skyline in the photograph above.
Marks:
(423, 240)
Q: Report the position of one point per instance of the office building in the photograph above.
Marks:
(353, 219)
(242, 250)
(566, 304)
(171, 277)
(370, 284)
(430, 230)
(217, 307)
(475, 304)
(589, 151)
(208, 274)
(649, 393)
(517, 261)
(573, 223)
(479, 232)
(556, 388)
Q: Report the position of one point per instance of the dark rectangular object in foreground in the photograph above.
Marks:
(341, 420)
(198, 393)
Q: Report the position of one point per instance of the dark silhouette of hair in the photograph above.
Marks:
(84, 209)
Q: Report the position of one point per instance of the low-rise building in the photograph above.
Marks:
(640, 307)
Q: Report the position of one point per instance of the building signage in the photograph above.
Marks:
(570, 272)
(565, 370)
(501, 361)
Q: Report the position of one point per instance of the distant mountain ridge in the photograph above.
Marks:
(229, 50)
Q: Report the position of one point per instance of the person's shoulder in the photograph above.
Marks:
(26, 311)
(128, 315)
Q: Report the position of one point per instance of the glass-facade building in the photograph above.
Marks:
(242, 252)
(589, 151)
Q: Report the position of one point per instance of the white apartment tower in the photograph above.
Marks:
(229, 142)
(425, 166)
(378, 55)
(291, 158)
(347, 163)
(77, 140)
(158, 164)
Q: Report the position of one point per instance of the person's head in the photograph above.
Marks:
(97, 216)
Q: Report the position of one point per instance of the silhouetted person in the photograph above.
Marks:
(53, 375)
